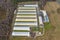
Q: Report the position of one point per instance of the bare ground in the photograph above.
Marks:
(51, 8)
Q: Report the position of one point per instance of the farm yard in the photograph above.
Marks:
(54, 16)
(52, 29)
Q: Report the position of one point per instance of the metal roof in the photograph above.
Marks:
(21, 28)
(40, 20)
(20, 33)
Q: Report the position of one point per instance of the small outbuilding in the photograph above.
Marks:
(46, 19)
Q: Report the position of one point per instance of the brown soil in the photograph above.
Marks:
(51, 8)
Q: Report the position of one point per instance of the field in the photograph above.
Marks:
(54, 16)
(47, 26)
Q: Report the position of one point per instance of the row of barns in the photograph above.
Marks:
(26, 17)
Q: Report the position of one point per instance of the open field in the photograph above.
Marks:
(51, 8)
(47, 26)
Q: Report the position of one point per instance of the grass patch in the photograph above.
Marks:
(34, 28)
(18, 38)
(41, 30)
(47, 26)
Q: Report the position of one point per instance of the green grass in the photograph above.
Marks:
(21, 31)
(18, 38)
(40, 29)
(34, 28)
(21, 38)
(47, 26)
